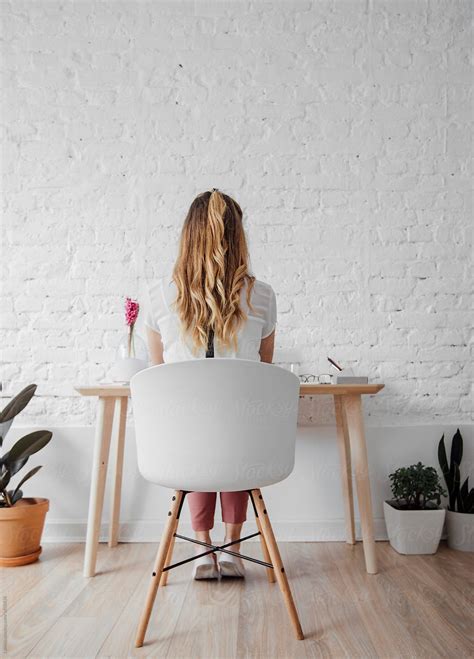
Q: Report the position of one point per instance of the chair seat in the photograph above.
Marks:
(227, 477)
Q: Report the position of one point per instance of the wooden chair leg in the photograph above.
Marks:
(277, 562)
(266, 555)
(170, 529)
(169, 558)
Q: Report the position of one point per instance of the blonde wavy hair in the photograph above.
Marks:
(211, 269)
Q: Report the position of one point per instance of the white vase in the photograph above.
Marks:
(460, 527)
(414, 531)
(124, 369)
(132, 357)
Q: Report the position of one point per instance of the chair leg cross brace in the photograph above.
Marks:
(273, 562)
(218, 548)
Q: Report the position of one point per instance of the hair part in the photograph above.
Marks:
(211, 269)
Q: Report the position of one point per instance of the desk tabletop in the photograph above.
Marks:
(306, 389)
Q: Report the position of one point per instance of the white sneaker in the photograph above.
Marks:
(231, 566)
(205, 568)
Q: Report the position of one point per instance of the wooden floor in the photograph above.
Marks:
(415, 607)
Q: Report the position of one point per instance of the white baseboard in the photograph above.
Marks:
(150, 531)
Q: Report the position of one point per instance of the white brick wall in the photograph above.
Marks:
(341, 127)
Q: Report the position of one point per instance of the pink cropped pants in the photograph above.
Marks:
(202, 506)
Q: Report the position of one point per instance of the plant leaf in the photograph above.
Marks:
(4, 480)
(465, 498)
(4, 428)
(15, 466)
(28, 445)
(457, 448)
(18, 403)
(469, 505)
(457, 482)
(15, 496)
(31, 473)
(443, 460)
(448, 472)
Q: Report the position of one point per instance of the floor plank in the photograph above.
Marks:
(434, 606)
(84, 625)
(37, 610)
(210, 608)
(333, 623)
(264, 627)
(417, 606)
(19, 582)
(121, 640)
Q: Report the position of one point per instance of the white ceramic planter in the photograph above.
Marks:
(414, 531)
(460, 527)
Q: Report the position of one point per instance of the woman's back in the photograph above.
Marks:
(163, 318)
(211, 305)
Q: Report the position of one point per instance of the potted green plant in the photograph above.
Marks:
(21, 518)
(460, 514)
(413, 517)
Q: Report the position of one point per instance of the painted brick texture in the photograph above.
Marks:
(343, 130)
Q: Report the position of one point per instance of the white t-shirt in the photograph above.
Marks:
(161, 317)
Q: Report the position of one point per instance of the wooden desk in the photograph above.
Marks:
(351, 444)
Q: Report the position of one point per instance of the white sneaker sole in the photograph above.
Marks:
(230, 569)
(206, 572)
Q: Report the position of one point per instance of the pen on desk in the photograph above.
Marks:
(331, 361)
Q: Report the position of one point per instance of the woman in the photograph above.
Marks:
(211, 306)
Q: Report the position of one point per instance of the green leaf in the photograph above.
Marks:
(443, 460)
(16, 496)
(4, 480)
(466, 498)
(31, 473)
(4, 428)
(457, 448)
(15, 466)
(28, 445)
(13, 497)
(18, 403)
(469, 505)
(456, 486)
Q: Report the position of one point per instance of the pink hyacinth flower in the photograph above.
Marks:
(131, 311)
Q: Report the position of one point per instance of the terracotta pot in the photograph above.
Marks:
(21, 527)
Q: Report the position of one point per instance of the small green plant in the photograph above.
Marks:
(461, 498)
(416, 488)
(16, 458)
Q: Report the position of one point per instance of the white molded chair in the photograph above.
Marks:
(209, 425)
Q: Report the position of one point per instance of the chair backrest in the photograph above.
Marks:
(210, 425)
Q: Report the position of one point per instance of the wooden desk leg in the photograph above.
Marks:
(346, 471)
(117, 474)
(99, 473)
(352, 406)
